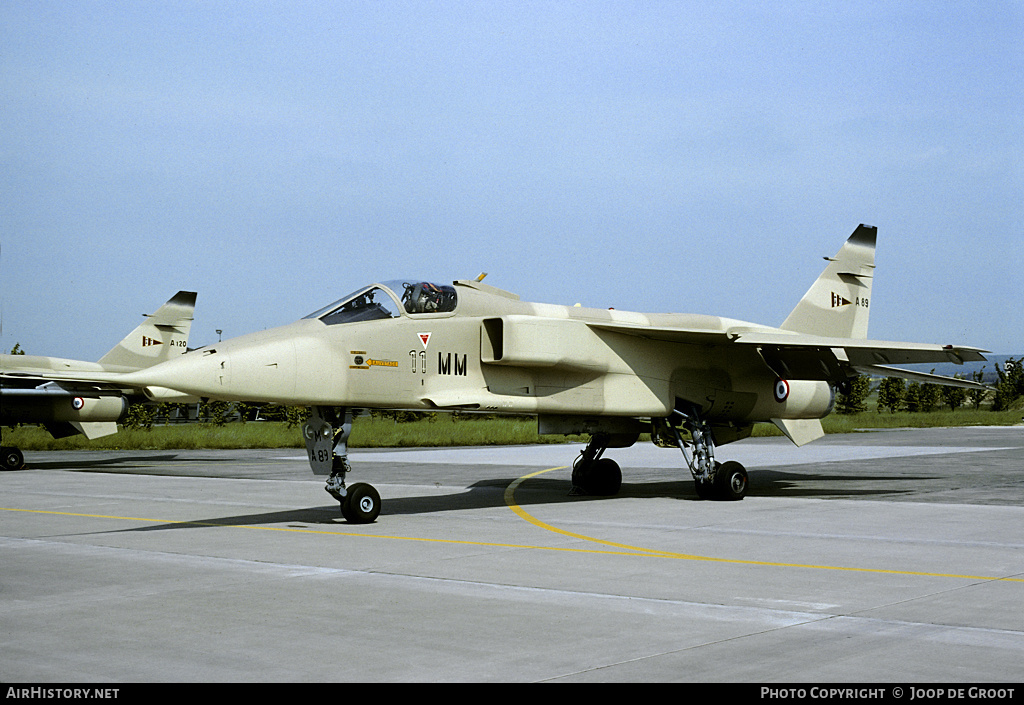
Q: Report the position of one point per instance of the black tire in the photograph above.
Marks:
(731, 482)
(604, 478)
(597, 478)
(705, 490)
(361, 504)
(579, 473)
(12, 459)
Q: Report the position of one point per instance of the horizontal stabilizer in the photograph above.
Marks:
(923, 377)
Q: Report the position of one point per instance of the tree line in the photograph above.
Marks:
(216, 413)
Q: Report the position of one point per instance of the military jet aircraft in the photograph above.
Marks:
(65, 395)
(695, 382)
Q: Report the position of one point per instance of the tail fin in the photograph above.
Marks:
(161, 336)
(836, 305)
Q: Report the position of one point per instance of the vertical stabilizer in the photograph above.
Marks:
(836, 305)
(161, 336)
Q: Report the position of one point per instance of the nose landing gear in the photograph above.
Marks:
(326, 433)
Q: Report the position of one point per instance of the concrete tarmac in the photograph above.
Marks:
(884, 557)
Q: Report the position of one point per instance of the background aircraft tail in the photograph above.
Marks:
(161, 336)
(837, 304)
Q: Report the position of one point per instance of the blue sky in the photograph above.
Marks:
(695, 157)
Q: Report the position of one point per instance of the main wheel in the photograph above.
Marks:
(12, 459)
(731, 481)
(361, 504)
(600, 478)
(604, 478)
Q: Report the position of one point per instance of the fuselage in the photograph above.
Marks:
(480, 348)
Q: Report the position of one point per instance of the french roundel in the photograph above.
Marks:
(77, 403)
(781, 390)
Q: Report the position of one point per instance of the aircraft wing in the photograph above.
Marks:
(862, 351)
(834, 359)
(799, 356)
(16, 385)
(78, 377)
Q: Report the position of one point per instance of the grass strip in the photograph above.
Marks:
(444, 430)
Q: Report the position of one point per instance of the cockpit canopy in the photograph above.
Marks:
(387, 299)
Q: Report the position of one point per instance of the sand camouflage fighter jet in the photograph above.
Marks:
(66, 396)
(695, 382)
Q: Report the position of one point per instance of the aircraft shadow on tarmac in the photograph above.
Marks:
(489, 494)
(126, 464)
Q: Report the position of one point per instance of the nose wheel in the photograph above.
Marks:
(361, 504)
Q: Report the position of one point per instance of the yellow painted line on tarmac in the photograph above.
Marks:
(614, 548)
(303, 530)
(510, 501)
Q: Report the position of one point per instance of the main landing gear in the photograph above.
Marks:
(712, 480)
(326, 433)
(597, 476)
(594, 475)
(11, 458)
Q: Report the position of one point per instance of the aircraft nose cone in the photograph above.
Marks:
(263, 371)
(203, 373)
(279, 366)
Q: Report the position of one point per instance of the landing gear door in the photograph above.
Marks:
(319, 435)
